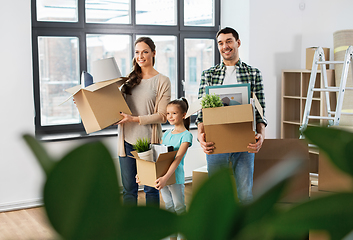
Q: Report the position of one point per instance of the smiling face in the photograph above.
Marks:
(144, 55)
(228, 48)
(175, 115)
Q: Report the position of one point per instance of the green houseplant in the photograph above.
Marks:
(142, 147)
(211, 101)
(82, 200)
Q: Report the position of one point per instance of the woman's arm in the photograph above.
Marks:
(161, 182)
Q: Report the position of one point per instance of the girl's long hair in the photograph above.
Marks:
(135, 75)
(183, 106)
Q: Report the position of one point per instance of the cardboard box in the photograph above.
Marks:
(199, 176)
(331, 178)
(100, 104)
(310, 57)
(149, 172)
(272, 152)
(231, 128)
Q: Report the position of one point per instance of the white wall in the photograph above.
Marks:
(274, 36)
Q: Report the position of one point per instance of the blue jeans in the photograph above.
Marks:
(243, 170)
(128, 172)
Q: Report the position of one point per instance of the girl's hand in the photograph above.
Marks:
(161, 183)
(137, 179)
(127, 118)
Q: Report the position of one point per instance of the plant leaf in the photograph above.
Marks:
(338, 145)
(213, 212)
(46, 162)
(82, 195)
(333, 213)
(259, 214)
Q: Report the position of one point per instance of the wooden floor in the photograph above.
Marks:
(31, 224)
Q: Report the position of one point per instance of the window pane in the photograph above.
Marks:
(199, 13)
(58, 70)
(104, 46)
(57, 10)
(199, 56)
(108, 11)
(166, 58)
(156, 12)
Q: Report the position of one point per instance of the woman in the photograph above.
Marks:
(147, 95)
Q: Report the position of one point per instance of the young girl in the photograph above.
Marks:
(181, 139)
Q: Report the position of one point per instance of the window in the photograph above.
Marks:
(67, 35)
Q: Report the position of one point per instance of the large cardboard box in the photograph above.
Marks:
(272, 152)
(331, 178)
(310, 57)
(148, 172)
(231, 128)
(100, 104)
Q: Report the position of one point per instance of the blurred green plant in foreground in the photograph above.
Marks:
(82, 200)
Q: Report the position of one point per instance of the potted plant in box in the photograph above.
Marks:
(142, 147)
(211, 101)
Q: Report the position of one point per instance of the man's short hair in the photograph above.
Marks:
(227, 30)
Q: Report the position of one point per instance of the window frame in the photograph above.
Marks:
(80, 30)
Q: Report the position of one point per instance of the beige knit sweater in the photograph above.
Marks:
(163, 94)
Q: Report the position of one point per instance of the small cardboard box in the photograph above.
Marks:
(100, 104)
(310, 57)
(231, 128)
(274, 151)
(149, 172)
(199, 176)
(331, 178)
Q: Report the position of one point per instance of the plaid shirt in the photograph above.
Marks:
(245, 74)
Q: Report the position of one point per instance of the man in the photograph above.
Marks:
(231, 71)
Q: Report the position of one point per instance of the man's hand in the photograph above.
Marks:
(255, 147)
(206, 146)
(260, 137)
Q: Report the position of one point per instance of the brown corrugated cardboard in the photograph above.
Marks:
(331, 178)
(149, 172)
(100, 104)
(199, 176)
(310, 57)
(231, 128)
(274, 151)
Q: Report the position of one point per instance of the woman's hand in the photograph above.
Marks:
(137, 179)
(127, 118)
(161, 183)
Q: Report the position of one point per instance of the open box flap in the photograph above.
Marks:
(162, 156)
(99, 85)
(258, 106)
(194, 107)
(72, 92)
(229, 114)
(94, 87)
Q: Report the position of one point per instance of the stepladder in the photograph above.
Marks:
(331, 117)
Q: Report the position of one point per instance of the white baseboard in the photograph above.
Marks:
(21, 205)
